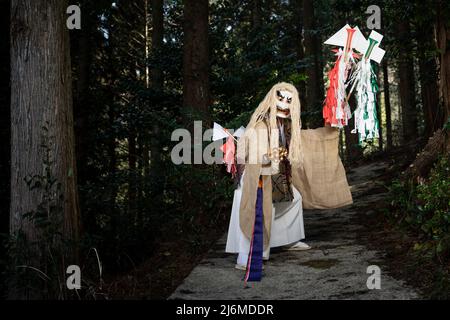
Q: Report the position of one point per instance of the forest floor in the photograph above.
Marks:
(344, 243)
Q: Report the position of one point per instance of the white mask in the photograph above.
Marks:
(284, 100)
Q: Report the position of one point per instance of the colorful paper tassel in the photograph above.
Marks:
(366, 87)
(229, 150)
(336, 110)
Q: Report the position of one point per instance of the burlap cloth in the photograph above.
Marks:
(321, 180)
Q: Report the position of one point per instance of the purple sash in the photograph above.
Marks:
(255, 261)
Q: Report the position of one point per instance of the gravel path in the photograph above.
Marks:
(335, 267)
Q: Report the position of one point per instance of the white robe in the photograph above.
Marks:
(287, 226)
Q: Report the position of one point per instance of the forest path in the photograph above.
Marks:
(335, 267)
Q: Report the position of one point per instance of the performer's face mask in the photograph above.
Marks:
(284, 99)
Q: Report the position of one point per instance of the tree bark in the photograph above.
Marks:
(41, 96)
(81, 93)
(428, 77)
(157, 41)
(379, 113)
(426, 159)
(256, 14)
(132, 172)
(299, 48)
(313, 51)
(157, 78)
(5, 123)
(407, 82)
(353, 150)
(443, 40)
(111, 78)
(256, 20)
(196, 86)
(387, 105)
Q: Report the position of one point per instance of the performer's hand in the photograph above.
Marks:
(266, 160)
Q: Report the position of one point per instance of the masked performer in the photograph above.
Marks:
(286, 169)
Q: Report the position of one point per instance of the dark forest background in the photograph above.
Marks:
(136, 71)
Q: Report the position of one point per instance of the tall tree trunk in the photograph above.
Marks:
(141, 148)
(196, 85)
(428, 77)
(81, 93)
(313, 51)
(407, 82)
(256, 14)
(379, 113)
(443, 42)
(299, 48)
(41, 96)
(353, 150)
(111, 78)
(112, 165)
(157, 77)
(5, 127)
(157, 42)
(341, 145)
(256, 21)
(132, 171)
(387, 105)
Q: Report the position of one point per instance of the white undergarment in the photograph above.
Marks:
(287, 226)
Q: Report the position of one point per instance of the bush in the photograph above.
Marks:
(433, 198)
(424, 208)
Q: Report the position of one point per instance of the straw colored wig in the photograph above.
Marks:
(267, 110)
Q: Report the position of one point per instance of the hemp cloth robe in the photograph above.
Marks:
(321, 179)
